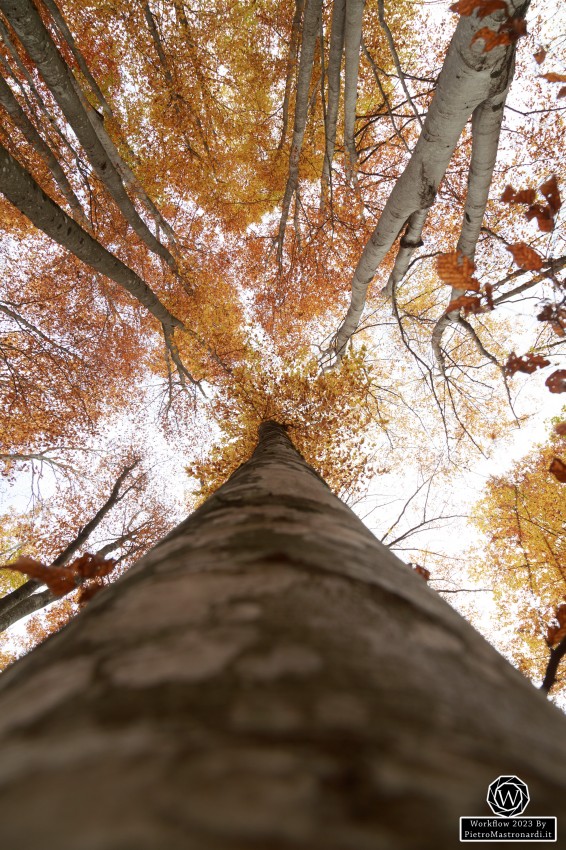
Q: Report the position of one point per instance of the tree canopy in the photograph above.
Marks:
(341, 216)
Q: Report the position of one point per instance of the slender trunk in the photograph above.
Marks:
(39, 45)
(311, 28)
(352, 42)
(20, 189)
(333, 72)
(268, 676)
(291, 67)
(20, 119)
(469, 77)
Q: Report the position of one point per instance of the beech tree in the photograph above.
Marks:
(269, 673)
(196, 204)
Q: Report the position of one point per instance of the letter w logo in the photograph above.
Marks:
(507, 796)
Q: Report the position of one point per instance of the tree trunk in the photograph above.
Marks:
(269, 676)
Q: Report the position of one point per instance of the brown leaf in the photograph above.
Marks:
(59, 580)
(553, 77)
(552, 194)
(558, 469)
(556, 633)
(525, 257)
(523, 196)
(556, 382)
(562, 92)
(560, 429)
(484, 7)
(527, 363)
(492, 39)
(467, 303)
(543, 215)
(555, 314)
(540, 56)
(422, 571)
(456, 270)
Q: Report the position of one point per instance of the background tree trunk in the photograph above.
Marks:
(268, 676)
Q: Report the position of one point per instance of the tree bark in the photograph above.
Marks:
(268, 676)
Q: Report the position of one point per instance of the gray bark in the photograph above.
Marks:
(61, 25)
(291, 63)
(20, 189)
(268, 676)
(333, 73)
(37, 41)
(20, 119)
(311, 27)
(352, 41)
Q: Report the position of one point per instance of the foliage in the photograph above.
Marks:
(523, 515)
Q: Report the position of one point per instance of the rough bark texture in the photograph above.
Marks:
(269, 676)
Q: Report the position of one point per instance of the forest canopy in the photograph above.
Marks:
(343, 216)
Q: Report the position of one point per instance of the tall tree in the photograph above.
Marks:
(269, 674)
(173, 248)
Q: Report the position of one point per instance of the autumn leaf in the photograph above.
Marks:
(483, 7)
(562, 92)
(492, 39)
(527, 363)
(61, 580)
(540, 56)
(556, 633)
(558, 469)
(543, 215)
(508, 33)
(553, 77)
(523, 196)
(556, 382)
(422, 571)
(456, 271)
(525, 257)
(555, 315)
(560, 429)
(552, 194)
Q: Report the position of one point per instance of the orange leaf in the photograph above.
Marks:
(560, 429)
(492, 39)
(553, 77)
(556, 633)
(467, 303)
(552, 194)
(525, 257)
(422, 571)
(556, 382)
(527, 363)
(59, 580)
(484, 7)
(558, 469)
(540, 56)
(456, 270)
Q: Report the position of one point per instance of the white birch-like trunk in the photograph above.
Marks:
(269, 676)
(469, 78)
